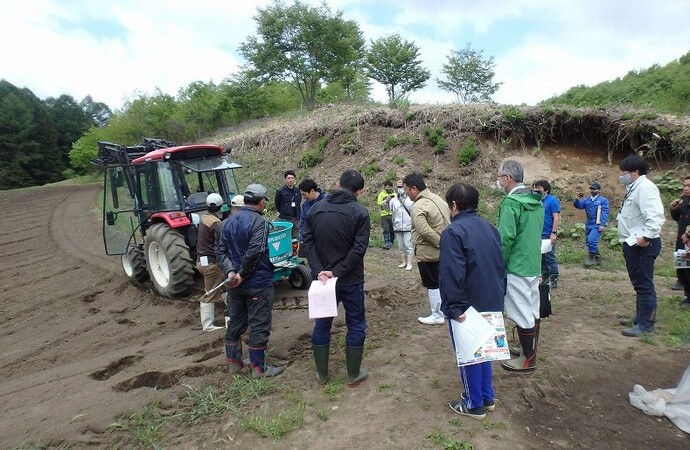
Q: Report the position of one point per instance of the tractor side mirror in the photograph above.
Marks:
(110, 218)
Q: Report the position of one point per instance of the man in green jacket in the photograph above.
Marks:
(520, 220)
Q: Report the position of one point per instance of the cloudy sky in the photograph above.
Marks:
(113, 50)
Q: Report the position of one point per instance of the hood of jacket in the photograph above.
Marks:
(340, 196)
(528, 198)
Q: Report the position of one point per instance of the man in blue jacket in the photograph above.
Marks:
(249, 269)
(596, 208)
(310, 193)
(336, 237)
(472, 273)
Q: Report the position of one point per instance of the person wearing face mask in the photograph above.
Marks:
(520, 222)
(596, 209)
(472, 273)
(386, 194)
(639, 223)
(400, 208)
(552, 217)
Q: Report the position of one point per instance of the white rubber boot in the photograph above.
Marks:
(227, 319)
(436, 317)
(410, 260)
(404, 261)
(208, 312)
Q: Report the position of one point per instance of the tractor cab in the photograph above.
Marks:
(153, 196)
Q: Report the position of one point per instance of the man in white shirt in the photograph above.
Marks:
(639, 224)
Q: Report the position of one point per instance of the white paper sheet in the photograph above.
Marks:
(322, 302)
(480, 338)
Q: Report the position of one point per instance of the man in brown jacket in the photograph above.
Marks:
(206, 260)
(430, 216)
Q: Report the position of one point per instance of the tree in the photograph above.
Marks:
(99, 112)
(28, 140)
(199, 106)
(469, 76)
(243, 92)
(71, 122)
(394, 63)
(302, 45)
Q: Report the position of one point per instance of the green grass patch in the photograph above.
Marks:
(468, 152)
(438, 437)
(333, 388)
(434, 136)
(143, 429)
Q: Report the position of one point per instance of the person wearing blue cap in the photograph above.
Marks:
(596, 209)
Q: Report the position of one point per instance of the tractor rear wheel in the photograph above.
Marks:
(169, 263)
(134, 264)
(300, 277)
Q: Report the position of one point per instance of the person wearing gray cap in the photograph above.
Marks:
(250, 298)
(596, 209)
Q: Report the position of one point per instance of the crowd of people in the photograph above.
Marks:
(463, 260)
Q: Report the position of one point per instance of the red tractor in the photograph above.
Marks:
(153, 195)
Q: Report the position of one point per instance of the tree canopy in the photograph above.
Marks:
(469, 76)
(304, 46)
(394, 62)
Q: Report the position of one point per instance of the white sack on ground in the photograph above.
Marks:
(672, 403)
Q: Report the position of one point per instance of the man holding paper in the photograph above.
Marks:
(336, 237)
(639, 224)
(472, 274)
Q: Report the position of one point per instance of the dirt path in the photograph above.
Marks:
(80, 346)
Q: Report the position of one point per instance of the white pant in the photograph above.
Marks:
(522, 300)
(404, 240)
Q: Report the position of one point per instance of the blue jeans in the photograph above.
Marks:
(549, 266)
(592, 235)
(352, 298)
(476, 379)
(640, 264)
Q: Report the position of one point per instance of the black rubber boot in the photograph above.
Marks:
(321, 353)
(527, 361)
(591, 260)
(353, 361)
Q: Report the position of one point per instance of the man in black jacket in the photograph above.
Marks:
(680, 213)
(288, 202)
(336, 237)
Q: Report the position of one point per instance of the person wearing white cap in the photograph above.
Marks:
(209, 226)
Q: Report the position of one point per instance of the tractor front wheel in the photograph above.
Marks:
(134, 264)
(300, 277)
(169, 263)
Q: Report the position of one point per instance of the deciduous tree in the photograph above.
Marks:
(303, 45)
(394, 62)
(469, 76)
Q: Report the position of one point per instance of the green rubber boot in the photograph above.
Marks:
(321, 353)
(353, 360)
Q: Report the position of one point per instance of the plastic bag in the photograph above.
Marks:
(672, 403)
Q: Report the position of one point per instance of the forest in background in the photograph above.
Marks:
(44, 141)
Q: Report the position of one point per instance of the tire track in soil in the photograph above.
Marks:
(67, 313)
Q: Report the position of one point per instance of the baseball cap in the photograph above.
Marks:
(237, 200)
(255, 191)
(595, 186)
